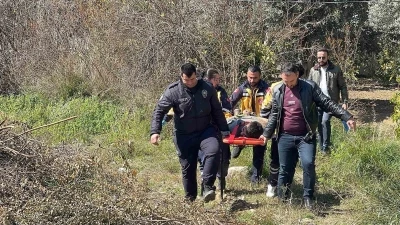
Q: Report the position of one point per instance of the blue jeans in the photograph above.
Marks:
(290, 148)
(345, 126)
(324, 130)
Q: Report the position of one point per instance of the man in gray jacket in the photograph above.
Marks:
(330, 79)
(195, 105)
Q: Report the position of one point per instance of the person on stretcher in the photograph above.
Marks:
(246, 126)
(247, 117)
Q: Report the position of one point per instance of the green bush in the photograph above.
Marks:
(388, 59)
(74, 86)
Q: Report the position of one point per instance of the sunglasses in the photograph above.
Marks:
(322, 57)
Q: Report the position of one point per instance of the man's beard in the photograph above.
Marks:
(323, 63)
(253, 85)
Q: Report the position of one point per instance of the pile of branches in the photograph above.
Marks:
(68, 184)
(26, 166)
(19, 160)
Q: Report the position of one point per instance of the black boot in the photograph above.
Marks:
(208, 193)
(236, 151)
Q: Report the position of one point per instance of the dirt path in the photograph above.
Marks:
(370, 101)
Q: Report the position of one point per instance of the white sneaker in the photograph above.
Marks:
(271, 191)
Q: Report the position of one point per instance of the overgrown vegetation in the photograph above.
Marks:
(107, 62)
(396, 114)
(83, 184)
(362, 167)
(112, 49)
(118, 178)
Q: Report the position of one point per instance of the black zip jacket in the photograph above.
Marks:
(311, 98)
(194, 108)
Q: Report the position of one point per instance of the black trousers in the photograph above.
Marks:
(274, 164)
(187, 147)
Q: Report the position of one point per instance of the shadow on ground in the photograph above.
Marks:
(370, 110)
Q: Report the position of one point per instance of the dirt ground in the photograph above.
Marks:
(370, 101)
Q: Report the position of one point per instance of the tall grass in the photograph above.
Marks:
(111, 176)
(365, 166)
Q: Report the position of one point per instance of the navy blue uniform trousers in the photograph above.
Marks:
(188, 147)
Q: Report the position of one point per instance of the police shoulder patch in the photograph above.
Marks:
(204, 93)
(173, 85)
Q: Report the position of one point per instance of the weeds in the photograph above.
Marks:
(363, 167)
(112, 175)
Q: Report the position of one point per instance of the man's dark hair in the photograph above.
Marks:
(188, 69)
(254, 69)
(211, 73)
(300, 68)
(289, 68)
(323, 50)
(254, 129)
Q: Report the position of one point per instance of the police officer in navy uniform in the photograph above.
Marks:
(195, 105)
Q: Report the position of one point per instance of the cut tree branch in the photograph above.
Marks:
(36, 128)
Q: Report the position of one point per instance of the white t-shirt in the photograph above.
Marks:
(323, 84)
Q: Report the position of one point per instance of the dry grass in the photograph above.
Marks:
(69, 185)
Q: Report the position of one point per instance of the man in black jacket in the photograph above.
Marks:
(294, 119)
(195, 105)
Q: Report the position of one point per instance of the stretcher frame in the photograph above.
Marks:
(243, 141)
(232, 140)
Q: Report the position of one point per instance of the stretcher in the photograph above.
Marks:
(232, 140)
(243, 141)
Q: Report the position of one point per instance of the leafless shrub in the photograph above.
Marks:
(114, 48)
(344, 50)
